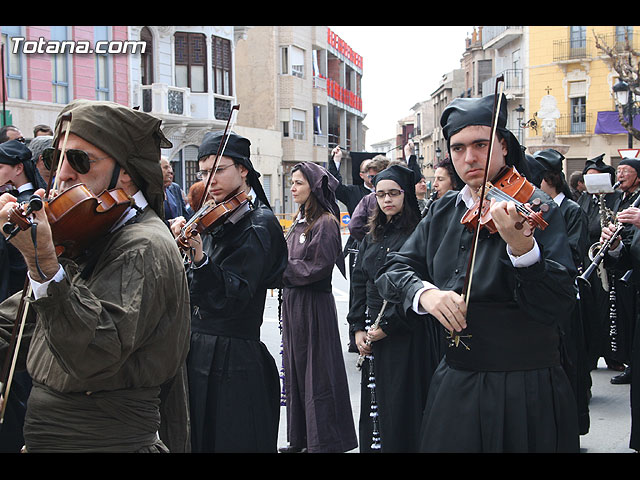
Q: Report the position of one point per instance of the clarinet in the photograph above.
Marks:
(604, 248)
(375, 434)
(432, 198)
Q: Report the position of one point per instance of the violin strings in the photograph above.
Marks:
(500, 195)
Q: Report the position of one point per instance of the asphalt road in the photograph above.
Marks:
(610, 414)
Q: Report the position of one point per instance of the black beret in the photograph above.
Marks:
(14, 152)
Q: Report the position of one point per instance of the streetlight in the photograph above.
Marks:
(624, 97)
(520, 111)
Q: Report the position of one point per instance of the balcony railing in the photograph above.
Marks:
(513, 82)
(564, 50)
(342, 95)
(160, 98)
(571, 125)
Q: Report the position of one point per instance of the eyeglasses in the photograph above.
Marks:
(202, 174)
(78, 159)
(391, 193)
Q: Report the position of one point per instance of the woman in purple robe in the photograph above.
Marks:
(319, 415)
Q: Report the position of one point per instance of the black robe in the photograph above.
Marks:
(319, 414)
(14, 272)
(403, 361)
(631, 258)
(508, 392)
(234, 386)
(594, 299)
(623, 306)
(573, 332)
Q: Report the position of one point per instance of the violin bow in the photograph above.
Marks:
(18, 329)
(221, 147)
(453, 336)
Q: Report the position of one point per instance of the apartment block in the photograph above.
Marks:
(565, 64)
(45, 67)
(305, 83)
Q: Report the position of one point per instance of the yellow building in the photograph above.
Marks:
(569, 82)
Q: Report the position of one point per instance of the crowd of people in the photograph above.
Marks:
(145, 335)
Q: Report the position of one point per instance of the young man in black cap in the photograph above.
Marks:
(500, 386)
(233, 379)
(109, 328)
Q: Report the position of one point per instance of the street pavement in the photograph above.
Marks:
(610, 413)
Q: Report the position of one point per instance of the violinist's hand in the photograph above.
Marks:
(23, 241)
(505, 216)
(607, 233)
(176, 224)
(336, 153)
(630, 215)
(361, 342)
(375, 334)
(447, 306)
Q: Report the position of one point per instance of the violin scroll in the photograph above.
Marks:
(19, 216)
(509, 186)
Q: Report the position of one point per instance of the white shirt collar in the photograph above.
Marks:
(141, 203)
(26, 186)
(559, 198)
(465, 196)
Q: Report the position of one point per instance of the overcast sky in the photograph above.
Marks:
(401, 66)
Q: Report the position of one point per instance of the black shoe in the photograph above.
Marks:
(290, 449)
(623, 379)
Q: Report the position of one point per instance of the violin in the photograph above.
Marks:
(210, 216)
(78, 217)
(508, 185)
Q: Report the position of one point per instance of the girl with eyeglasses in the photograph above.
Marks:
(402, 347)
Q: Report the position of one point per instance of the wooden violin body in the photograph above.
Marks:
(511, 186)
(78, 217)
(209, 216)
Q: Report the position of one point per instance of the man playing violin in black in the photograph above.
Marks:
(108, 328)
(500, 386)
(234, 388)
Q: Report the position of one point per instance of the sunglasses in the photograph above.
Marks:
(78, 159)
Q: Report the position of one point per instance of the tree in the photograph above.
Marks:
(625, 60)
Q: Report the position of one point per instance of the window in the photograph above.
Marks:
(60, 67)
(578, 115)
(297, 123)
(292, 61)
(13, 62)
(578, 36)
(146, 58)
(191, 61)
(101, 33)
(221, 65)
(622, 33)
